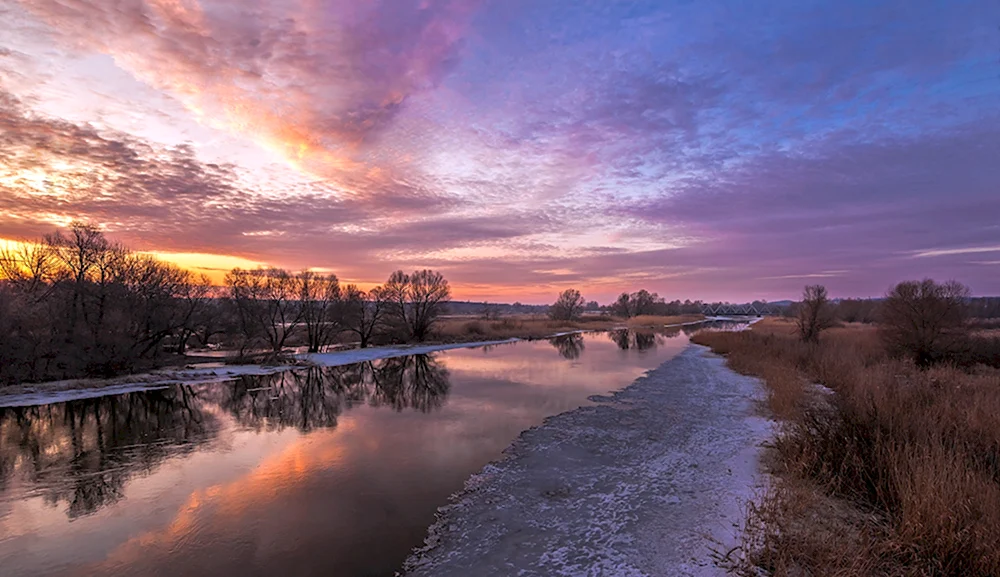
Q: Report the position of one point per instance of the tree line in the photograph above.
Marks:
(925, 321)
(570, 305)
(269, 305)
(77, 304)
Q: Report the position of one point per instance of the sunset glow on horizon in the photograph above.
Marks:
(714, 151)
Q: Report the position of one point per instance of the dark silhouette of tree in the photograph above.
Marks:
(568, 306)
(642, 302)
(925, 321)
(857, 310)
(815, 314)
(417, 300)
(266, 304)
(365, 314)
(623, 306)
(322, 307)
(76, 304)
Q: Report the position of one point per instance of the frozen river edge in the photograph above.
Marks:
(648, 481)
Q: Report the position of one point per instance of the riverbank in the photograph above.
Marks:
(880, 468)
(649, 481)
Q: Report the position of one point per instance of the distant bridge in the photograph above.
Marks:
(750, 310)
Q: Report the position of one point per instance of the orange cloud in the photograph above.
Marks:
(311, 86)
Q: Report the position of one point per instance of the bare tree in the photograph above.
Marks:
(417, 300)
(322, 308)
(266, 304)
(195, 297)
(815, 314)
(428, 295)
(77, 254)
(623, 306)
(644, 303)
(79, 304)
(924, 320)
(31, 268)
(568, 306)
(365, 313)
(641, 302)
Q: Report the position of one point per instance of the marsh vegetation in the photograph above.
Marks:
(888, 458)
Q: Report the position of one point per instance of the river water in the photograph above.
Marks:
(326, 471)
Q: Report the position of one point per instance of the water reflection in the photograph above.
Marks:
(314, 397)
(323, 470)
(638, 340)
(83, 452)
(569, 346)
(99, 444)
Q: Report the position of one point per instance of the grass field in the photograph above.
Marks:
(879, 468)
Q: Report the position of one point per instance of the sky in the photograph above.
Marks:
(703, 150)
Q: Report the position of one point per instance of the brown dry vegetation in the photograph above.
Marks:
(656, 321)
(897, 472)
(458, 329)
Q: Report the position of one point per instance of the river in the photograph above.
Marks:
(324, 471)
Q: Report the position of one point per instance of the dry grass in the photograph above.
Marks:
(470, 328)
(456, 329)
(908, 460)
(654, 321)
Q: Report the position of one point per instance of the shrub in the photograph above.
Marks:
(568, 306)
(474, 328)
(925, 321)
(814, 313)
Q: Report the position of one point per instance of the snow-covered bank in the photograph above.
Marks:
(69, 390)
(647, 482)
(687, 324)
(338, 358)
(74, 389)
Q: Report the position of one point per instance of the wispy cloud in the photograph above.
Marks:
(824, 274)
(954, 251)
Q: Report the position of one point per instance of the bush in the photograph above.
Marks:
(814, 313)
(925, 321)
(568, 306)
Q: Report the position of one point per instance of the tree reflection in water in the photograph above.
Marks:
(314, 397)
(83, 453)
(569, 346)
(416, 382)
(627, 339)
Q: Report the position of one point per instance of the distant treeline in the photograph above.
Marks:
(867, 310)
(78, 304)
